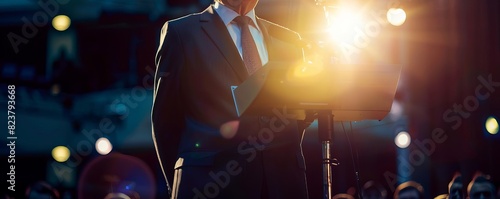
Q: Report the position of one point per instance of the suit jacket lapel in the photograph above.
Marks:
(217, 31)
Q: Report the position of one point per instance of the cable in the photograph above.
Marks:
(356, 170)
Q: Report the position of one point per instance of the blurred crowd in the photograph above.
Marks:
(480, 187)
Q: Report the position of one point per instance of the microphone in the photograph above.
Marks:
(289, 36)
(314, 52)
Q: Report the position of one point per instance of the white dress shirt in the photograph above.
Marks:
(227, 15)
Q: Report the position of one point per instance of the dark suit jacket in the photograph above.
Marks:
(197, 63)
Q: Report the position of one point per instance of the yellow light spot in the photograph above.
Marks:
(61, 22)
(60, 153)
(492, 125)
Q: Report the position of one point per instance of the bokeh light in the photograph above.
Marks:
(61, 22)
(491, 125)
(103, 146)
(60, 153)
(403, 139)
(396, 16)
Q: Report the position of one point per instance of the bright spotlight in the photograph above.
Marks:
(61, 22)
(492, 125)
(403, 139)
(344, 24)
(396, 16)
(103, 146)
(60, 153)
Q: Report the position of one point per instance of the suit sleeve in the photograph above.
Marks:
(167, 112)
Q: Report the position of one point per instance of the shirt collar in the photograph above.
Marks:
(227, 15)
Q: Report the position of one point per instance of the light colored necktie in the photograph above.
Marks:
(251, 56)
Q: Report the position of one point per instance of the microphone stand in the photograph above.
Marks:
(325, 134)
(325, 130)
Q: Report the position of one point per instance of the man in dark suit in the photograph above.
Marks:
(202, 144)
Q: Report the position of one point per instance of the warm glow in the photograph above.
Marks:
(308, 70)
(396, 16)
(403, 139)
(61, 22)
(103, 146)
(60, 153)
(492, 125)
(344, 24)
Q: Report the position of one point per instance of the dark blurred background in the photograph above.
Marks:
(93, 80)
